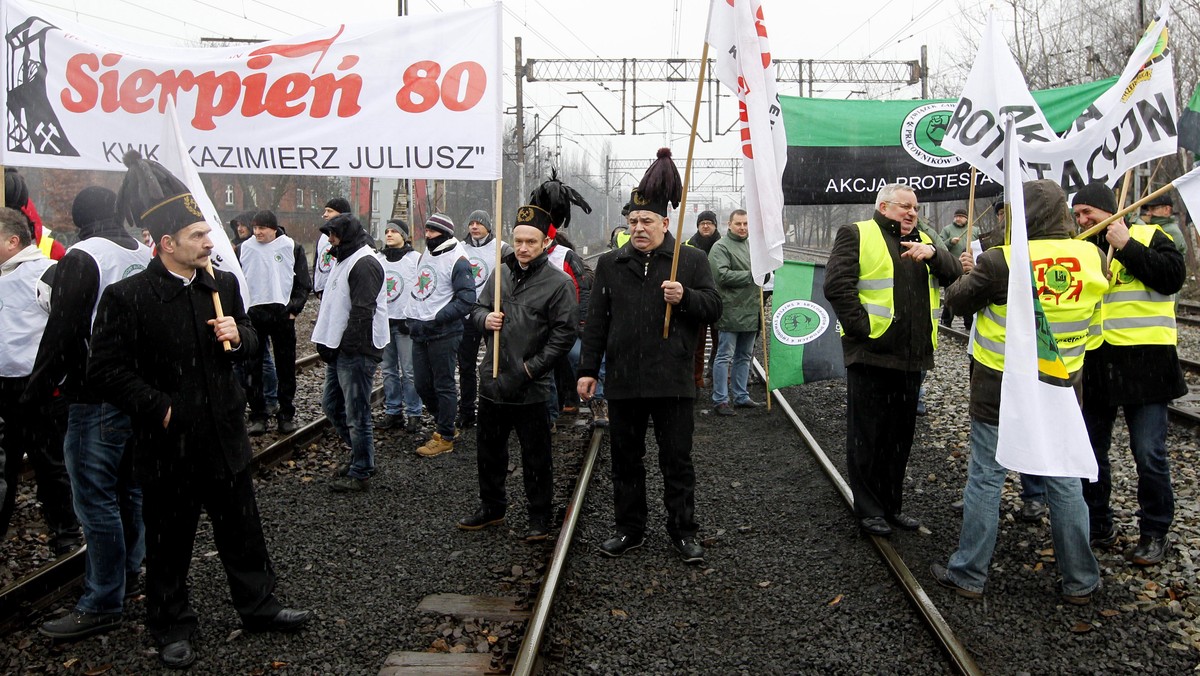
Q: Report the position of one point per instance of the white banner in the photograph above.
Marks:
(736, 30)
(411, 97)
(1134, 121)
(1041, 427)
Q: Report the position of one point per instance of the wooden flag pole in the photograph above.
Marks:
(687, 178)
(971, 209)
(762, 318)
(217, 302)
(499, 224)
(1121, 213)
(1121, 205)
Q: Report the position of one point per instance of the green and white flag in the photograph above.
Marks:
(805, 346)
(1189, 124)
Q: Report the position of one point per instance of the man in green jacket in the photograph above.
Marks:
(729, 260)
(954, 238)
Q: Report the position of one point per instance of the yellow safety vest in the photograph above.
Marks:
(1133, 313)
(47, 243)
(877, 278)
(1070, 288)
(622, 238)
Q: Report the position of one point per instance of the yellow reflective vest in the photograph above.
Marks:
(877, 279)
(1070, 286)
(47, 243)
(1133, 313)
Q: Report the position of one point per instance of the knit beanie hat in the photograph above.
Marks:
(480, 216)
(16, 194)
(266, 219)
(441, 223)
(1098, 195)
(709, 216)
(960, 212)
(93, 206)
(339, 204)
(398, 225)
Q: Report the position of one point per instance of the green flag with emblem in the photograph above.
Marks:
(805, 346)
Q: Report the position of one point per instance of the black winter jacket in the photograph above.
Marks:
(625, 321)
(907, 343)
(448, 320)
(152, 349)
(540, 315)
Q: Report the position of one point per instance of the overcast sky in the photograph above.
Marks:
(556, 29)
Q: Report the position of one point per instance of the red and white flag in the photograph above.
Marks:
(738, 33)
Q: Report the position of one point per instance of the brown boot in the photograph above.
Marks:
(436, 445)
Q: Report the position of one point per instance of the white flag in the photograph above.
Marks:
(1188, 186)
(173, 155)
(1041, 425)
(736, 30)
(1133, 122)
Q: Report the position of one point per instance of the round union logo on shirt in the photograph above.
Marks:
(132, 270)
(278, 258)
(325, 263)
(426, 283)
(798, 322)
(479, 270)
(393, 285)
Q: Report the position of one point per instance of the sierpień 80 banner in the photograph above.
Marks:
(843, 152)
(393, 97)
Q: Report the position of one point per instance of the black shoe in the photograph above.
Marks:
(273, 409)
(942, 577)
(749, 403)
(875, 525)
(537, 532)
(1033, 511)
(723, 409)
(134, 585)
(689, 550)
(1150, 550)
(287, 619)
(619, 544)
(256, 428)
(414, 424)
(64, 543)
(465, 421)
(348, 484)
(903, 521)
(1103, 539)
(342, 470)
(388, 421)
(177, 655)
(77, 624)
(482, 518)
(285, 424)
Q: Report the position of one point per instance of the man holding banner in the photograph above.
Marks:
(883, 280)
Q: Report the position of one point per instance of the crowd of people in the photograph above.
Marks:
(133, 376)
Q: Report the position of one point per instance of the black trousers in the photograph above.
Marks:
(171, 510)
(532, 425)
(468, 368)
(673, 425)
(272, 322)
(881, 414)
(37, 430)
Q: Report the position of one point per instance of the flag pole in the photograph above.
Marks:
(762, 318)
(687, 177)
(1121, 213)
(217, 302)
(499, 221)
(1121, 205)
(971, 209)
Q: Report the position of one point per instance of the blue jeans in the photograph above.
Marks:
(1148, 441)
(399, 389)
(270, 377)
(968, 565)
(347, 403)
(736, 347)
(433, 364)
(107, 502)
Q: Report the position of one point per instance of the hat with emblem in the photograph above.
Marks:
(660, 186)
(535, 216)
(153, 198)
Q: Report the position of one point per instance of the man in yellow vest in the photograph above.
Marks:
(1071, 281)
(1134, 367)
(883, 280)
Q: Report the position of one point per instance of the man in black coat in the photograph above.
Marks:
(536, 319)
(647, 376)
(157, 353)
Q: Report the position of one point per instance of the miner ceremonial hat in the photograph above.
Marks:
(660, 185)
(556, 199)
(1098, 195)
(535, 216)
(153, 198)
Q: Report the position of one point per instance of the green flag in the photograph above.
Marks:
(805, 346)
(1189, 124)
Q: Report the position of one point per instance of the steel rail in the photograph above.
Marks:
(958, 653)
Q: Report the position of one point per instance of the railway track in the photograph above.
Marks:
(35, 591)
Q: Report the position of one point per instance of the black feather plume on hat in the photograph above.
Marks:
(661, 180)
(557, 199)
(146, 185)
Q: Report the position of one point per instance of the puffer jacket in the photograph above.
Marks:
(729, 260)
